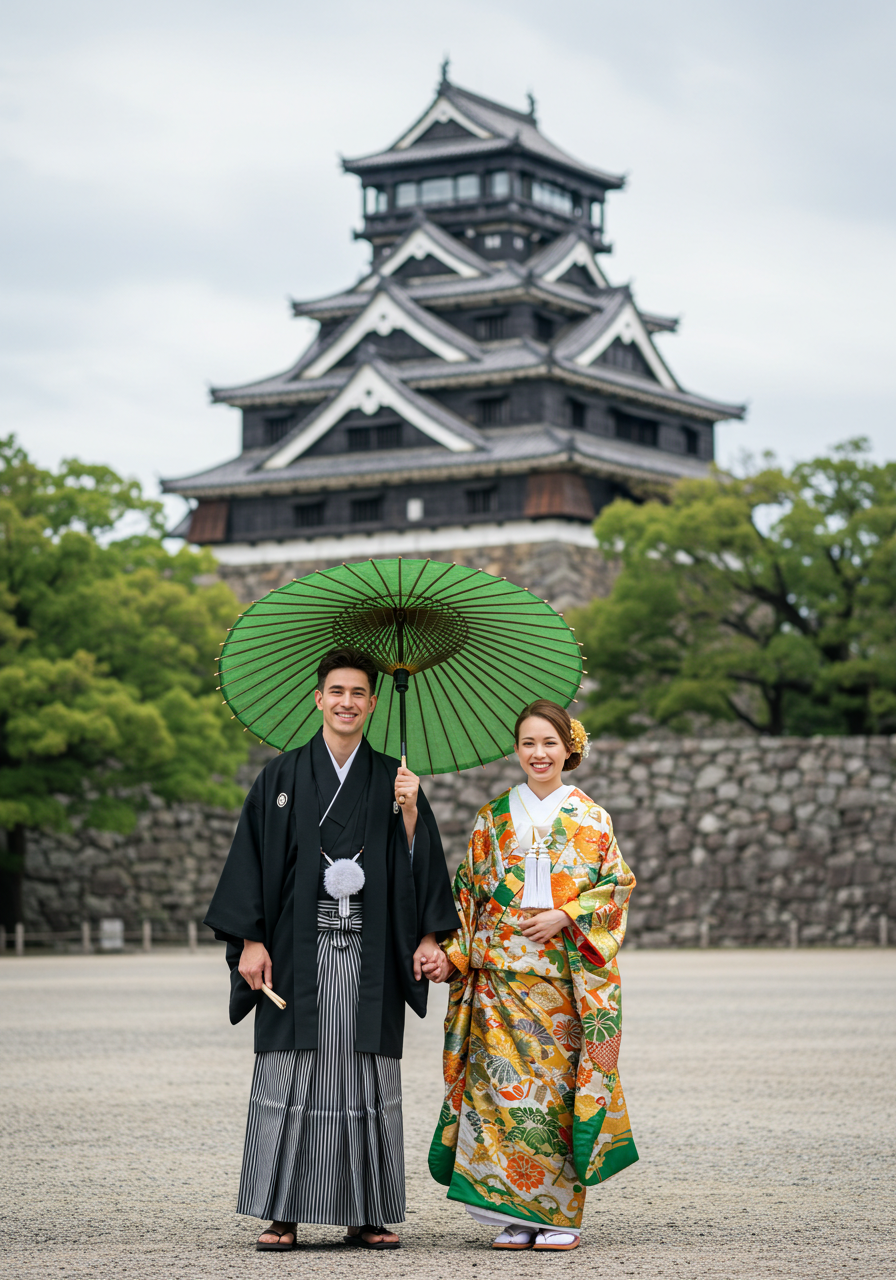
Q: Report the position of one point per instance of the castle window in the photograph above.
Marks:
(276, 427)
(481, 501)
(468, 186)
(691, 440)
(367, 510)
(499, 184)
(491, 242)
(638, 430)
(359, 439)
(375, 201)
(544, 328)
(415, 509)
(576, 413)
(405, 194)
(494, 411)
(551, 197)
(388, 435)
(490, 327)
(436, 190)
(308, 514)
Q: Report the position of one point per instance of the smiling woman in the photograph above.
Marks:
(534, 1111)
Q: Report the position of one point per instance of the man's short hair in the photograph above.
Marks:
(345, 656)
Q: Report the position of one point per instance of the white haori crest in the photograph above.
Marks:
(342, 878)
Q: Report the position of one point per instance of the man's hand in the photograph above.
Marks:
(255, 965)
(407, 785)
(544, 925)
(428, 959)
(439, 969)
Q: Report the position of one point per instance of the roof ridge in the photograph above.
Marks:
(524, 117)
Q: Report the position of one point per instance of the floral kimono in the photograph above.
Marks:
(533, 1109)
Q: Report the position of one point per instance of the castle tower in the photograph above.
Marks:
(477, 396)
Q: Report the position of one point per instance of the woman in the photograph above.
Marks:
(533, 1109)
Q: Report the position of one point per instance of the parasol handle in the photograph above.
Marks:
(401, 676)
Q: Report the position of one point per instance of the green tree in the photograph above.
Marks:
(767, 598)
(107, 650)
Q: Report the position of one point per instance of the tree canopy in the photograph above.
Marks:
(107, 650)
(767, 598)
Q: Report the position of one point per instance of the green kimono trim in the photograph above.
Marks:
(618, 1153)
(441, 1155)
(463, 1190)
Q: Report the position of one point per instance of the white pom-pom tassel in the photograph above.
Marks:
(342, 878)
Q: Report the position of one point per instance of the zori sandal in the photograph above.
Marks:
(514, 1238)
(357, 1238)
(277, 1246)
(555, 1240)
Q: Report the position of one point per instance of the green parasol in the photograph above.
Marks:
(460, 652)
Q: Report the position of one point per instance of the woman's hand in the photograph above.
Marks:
(255, 964)
(544, 925)
(440, 969)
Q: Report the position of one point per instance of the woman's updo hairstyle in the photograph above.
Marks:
(570, 732)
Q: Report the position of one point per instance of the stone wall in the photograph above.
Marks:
(744, 841)
(560, 572)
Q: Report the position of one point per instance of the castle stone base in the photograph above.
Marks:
(564, 574)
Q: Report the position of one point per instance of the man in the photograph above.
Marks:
(324, 1135)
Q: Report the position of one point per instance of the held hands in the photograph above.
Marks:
(430, 961)
(544, 925)
(255, 965)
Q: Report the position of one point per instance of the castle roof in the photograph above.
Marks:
(480, 127)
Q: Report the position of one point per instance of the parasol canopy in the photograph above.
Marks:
(470, 649)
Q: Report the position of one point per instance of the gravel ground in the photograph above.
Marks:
(760, 1086)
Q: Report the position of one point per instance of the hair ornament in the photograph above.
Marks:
(579, 739)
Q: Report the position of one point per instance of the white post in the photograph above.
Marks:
(883, 926)
(704, 933)
(794, 931)
(20, 939)
(147, 935)
(85, 937)
(191, 935)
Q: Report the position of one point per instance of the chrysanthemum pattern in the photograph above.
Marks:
(533, 1109)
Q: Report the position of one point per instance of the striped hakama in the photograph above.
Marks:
(324, 1138)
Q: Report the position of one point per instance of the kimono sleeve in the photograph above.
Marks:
(435, 908)
(237, 908)
(458, 945)
(600, 911)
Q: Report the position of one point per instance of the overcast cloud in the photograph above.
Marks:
(170, 177)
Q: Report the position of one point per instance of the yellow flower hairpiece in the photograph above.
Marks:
(581, 743)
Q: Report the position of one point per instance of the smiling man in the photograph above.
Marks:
(332, 894)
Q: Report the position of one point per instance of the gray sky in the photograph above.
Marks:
(170, 177)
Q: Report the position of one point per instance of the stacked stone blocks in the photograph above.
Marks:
(735, 842)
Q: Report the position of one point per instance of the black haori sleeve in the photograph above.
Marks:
(436, 912)
(237, 908)
(422, 901)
